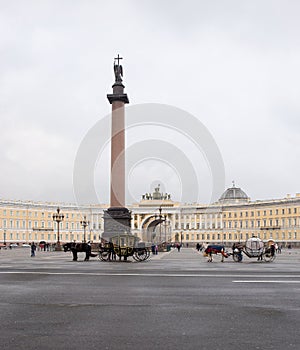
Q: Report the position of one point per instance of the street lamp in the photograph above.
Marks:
(4, 237)
(84, 223)
(161, 218)
(58, 217)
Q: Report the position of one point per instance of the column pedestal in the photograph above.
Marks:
(117, 221)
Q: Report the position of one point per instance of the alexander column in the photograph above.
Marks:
(117, 218)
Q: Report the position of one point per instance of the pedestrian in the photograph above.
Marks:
(156, 249)
(33, 249)
(153, 249)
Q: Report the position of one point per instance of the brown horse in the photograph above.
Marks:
(215, 249)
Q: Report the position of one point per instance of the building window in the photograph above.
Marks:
(290, 211)
(265, 212)
(258, 213)
(187, 236)
(230, 236)
(252, 213)
(282, 211)
(258, 223)
(295, 210)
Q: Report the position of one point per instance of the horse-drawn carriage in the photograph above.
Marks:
(121, 246)
(254, 248)
(124, 246)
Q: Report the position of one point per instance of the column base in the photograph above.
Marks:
(117, 221)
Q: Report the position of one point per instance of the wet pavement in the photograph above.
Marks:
(176, 300)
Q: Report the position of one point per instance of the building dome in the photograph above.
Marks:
(234, 194)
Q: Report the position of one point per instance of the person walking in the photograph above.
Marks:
(33, 249)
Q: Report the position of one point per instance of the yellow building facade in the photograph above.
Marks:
(157, 218)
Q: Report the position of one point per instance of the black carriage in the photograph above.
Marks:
(124, 246)
(254, 248)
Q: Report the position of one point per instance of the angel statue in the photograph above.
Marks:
(118, 71)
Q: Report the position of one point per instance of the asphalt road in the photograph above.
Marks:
(173, 301)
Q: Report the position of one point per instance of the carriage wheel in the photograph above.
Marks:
(268, 257)
(141, 255)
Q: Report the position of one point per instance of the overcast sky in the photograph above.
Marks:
(234, 65)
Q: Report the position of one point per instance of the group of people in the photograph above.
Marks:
(154, 249)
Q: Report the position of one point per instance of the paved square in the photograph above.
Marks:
(174, 301)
